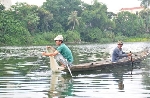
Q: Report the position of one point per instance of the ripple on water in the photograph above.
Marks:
(26, 74)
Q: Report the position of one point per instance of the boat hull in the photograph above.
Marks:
(137, 58)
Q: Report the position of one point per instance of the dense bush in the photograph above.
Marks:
(25, 24)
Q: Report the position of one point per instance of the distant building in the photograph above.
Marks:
(6, 3)
(132, 10)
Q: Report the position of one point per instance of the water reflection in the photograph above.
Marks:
(25, 73)
(60, 86)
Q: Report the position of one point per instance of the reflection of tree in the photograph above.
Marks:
(60, 86)
(146, 74)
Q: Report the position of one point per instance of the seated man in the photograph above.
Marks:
(118, 53)
(62, 54)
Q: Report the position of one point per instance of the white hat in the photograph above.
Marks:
(120, 43)
(59, 37)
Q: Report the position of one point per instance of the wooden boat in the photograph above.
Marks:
(136, 58)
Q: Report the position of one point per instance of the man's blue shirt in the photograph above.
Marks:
(118, 54)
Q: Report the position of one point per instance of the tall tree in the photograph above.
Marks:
(61, 9)
(96, 15)
(11, 30)
(145, 14)
(2, 7)
(27, 14)
(73, 18)
(128, 24)
(145, 3)
(45, 22)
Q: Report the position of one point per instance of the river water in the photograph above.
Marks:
(25, 73)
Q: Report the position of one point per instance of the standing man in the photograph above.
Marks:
(62, 54)
(118, 53)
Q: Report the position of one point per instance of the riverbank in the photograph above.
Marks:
(137, 39)
(43, 41)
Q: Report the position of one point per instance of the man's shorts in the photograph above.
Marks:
(61, 59)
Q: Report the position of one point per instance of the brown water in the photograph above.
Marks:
(26, 74)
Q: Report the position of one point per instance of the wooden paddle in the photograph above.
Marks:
(69, 70)
(131, 62)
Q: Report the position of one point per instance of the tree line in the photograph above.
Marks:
(25, 24)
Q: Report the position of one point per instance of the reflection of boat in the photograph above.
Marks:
(136, 58)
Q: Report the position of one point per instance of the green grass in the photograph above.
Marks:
(137, 39)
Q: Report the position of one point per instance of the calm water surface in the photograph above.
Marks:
(25, 73)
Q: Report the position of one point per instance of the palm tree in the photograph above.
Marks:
(145, 3)
(73, 18)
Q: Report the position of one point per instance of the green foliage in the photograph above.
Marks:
(93, 35)
(61, 10)
(11, 30)
(145, 3)
(72, 36)
(136, 39)
(57, 28)
(44, 39)
(26, 24)
(95, 15)
(27, 14)
(120, 37)
(146, 35)
(145, 15)
(2, 7)
(45, 21)
(34, 18)
(110, 35)
(128, 24)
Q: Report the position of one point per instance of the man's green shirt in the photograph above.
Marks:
(65, 52)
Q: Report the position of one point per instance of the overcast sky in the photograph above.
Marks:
(113, 5)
